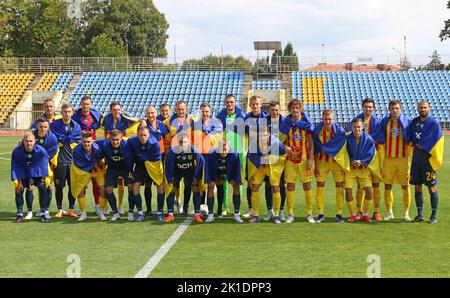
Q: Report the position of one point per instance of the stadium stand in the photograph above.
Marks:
(62, 82)
(344, 91)
(12, 88)
(341, 91)
(137, 90)
(46, 82)
(267, 85)
(54, 82)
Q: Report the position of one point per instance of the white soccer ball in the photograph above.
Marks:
(204, 209)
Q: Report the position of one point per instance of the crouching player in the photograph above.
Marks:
(86, 156)
(266, 160)
(362, 154)
(183, 161)
(29, 167)
(146, 153)
(222, 165)
(118, 165)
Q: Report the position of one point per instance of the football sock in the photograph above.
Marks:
(283, 195)
(290, 201)
(351, 207)
(220, 198)
(210, 203)
(112, 201)
(95, 190)
(366, 205)
(339, 199)
(276, 202)
(269, 196)
(170, 202)
(319, 199)
(249, 197)
(102, 203)
(72, 199)
(160, 202)
(359, 198)
(419, 203)
(148, 197)
(434, 197)
(376, 199)
(49, 198)
(42, 196)
(236, 203)
(59, 197)
(138, 202)
(130, 201)
(82, 203)
(255, 202)
(186, 195)
(196, 199)
(225, 194)
(19, 201)
(406, 198)
(29, 197)
(388, 199)
(309, 198)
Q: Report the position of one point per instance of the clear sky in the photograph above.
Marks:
(345, 27)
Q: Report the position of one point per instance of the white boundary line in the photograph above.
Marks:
(3, 153)
(163, 250)
(4, 158)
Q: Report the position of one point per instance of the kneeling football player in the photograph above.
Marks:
(222, 166)
(184, 161)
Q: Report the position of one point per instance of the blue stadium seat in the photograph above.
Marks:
(136, 90)
(345, 90)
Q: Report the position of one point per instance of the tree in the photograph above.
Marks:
(286, 57)
(445, 33)
(4, 27)
(435, 63)
(405, 64)
(103, 46)
(219, 62)
(39, 28)
(137, 25)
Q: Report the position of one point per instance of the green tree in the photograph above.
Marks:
(103, 46)
(137, 25)
(218, 62)
(435, 63)
(40, 28)
(4, 27)
(286, 57)
(445, 33)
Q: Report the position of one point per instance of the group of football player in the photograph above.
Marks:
(184, 156)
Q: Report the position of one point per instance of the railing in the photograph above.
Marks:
(280, 64)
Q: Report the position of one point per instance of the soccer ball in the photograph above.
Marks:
(204, 209)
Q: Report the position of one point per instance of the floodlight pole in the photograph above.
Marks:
(221, 54)
(323, 52)
(404, 50)
(174, 54)
(400, 54)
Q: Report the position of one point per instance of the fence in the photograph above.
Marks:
(280, 64)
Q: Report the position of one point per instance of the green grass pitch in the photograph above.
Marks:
(106, 249)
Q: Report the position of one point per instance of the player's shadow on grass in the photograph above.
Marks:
(303, 220)
(10, 216)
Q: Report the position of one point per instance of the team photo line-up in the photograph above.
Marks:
(182, 155)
